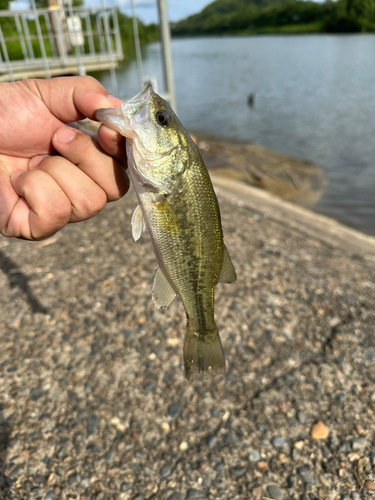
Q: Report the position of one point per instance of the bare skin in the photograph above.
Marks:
(51, 174)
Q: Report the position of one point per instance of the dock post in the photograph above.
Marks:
(165, 34)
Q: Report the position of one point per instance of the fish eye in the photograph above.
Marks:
(163, 118)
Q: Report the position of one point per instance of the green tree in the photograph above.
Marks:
(4, 4)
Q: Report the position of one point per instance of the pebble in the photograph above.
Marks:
(50, 495)
(319, 431)
(355, 496)
(92, 424)
(370, 485)
(301, 417)
(149, 387)
(219, 467)
(279, 441)
(127, 333)
(125, 487)
(193, 493)
(344, 447)
(207, 482)
(254, 456)
(340, 397)
(358, 444)
(15, 472)
(306, 475)
(26, 485)
(372, 458)
(291, 481)
(174, 409)
(298, 445)
(273, 491)
(238, 471)
(303, 497)
(74, 478)
(165, 471)
(214, 411)
(85, 483)
(325, 479)
(60, 452)
(175, 496)
(211, 440)
(110, 455)
(344, 497)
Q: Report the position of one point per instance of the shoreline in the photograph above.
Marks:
(315, 225)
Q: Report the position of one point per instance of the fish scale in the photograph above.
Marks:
(179, 208)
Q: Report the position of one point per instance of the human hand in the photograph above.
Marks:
(51, 174)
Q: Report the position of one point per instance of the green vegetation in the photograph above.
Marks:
(279, 16)
(4, 4)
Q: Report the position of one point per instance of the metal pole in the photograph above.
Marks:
(89, 33)
(22, 40)
(109, 49)
(99, 30)
(6, 56)
(50, 34)
(137, 46)
(81, 68)
(60, 39)
(1, 62)
(165, 34)
(40, 38)
(117, 36)
(27, 35)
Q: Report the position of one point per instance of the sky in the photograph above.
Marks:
(146, 10)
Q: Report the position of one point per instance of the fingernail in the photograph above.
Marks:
(115, 138)
(65, 135)
(34, 162)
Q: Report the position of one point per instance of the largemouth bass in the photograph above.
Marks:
(178, 206)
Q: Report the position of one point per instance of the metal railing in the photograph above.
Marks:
(66, 40)
(55, 41)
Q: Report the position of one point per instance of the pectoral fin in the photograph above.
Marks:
(138, 223)
(227, 273)
(162, 292)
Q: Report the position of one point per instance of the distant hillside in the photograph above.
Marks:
(279, 16)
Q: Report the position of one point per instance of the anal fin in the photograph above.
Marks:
(227, 273)
(162, 292)
(138, 223)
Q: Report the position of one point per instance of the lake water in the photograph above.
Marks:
(314, 99)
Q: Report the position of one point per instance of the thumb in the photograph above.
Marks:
(73, 98)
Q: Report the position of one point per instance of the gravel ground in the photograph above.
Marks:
(93, 400)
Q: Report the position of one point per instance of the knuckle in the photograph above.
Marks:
(90, 80)
(61, 209)
(92, 204)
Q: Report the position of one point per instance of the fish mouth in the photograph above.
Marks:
(129, 114)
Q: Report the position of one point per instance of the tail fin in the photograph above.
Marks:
(203, 353)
